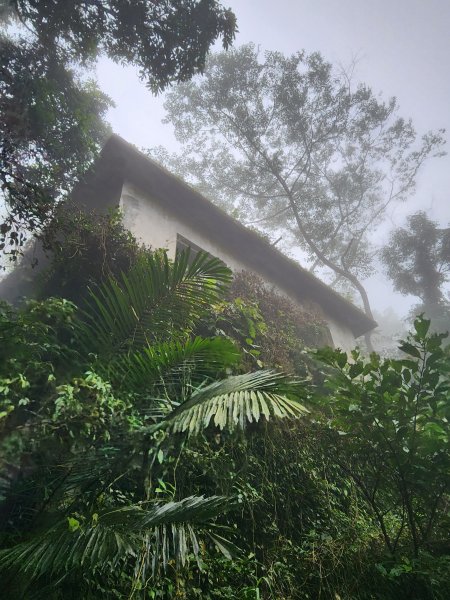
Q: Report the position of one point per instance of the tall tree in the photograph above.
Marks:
(52, 125)
(167, 40)
(417, 259)
(51, 119)
(287, 143)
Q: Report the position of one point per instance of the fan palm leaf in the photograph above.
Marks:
(236, 401)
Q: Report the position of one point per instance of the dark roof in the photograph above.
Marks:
(120, 161)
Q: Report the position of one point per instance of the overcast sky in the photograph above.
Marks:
(402, 49)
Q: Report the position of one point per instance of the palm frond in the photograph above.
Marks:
(87, 476)
(168, 363)
(236, 401)
(155, 297)
(113, 537)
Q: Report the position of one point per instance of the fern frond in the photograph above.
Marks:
(236, 401)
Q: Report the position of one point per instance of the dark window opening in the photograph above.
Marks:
(185, 244)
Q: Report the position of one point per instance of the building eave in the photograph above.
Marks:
(121, 162)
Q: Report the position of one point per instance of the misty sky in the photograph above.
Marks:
(402, 48)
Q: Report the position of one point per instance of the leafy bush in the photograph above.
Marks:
(85, 248)
(271, 330)
(393, 418)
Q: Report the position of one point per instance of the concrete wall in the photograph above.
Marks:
(154, 226)
(342, 336)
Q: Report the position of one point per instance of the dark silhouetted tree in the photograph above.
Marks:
(52, 119)
(52, 125)
(417, 260)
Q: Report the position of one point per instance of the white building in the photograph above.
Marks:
(162, 211)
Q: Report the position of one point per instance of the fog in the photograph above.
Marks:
(401, 49)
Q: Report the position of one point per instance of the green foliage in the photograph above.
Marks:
(85, 410)
(392, 419)
(85, 248)
(36, 347)
(153, 298)
(85, 505)
(52, 125)
(236, 401)
(92, 546)
(300, 526)
(168, 41)
(271, 330)
(174, 365)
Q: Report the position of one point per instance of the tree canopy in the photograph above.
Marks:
(288, 144)
(167, 40)
(52, 117)
(52, 125)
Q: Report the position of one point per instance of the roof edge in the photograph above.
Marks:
(120, 161)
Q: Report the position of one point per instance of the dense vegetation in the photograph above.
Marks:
(149, 445)
(140, 461)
